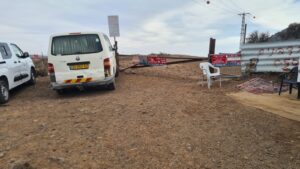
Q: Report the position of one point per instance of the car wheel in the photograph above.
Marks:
(4, 92)
(32, 80)
(112, 86)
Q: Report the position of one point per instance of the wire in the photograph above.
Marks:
(216, 6)
(251, 18)
(236, 5)
(227, 5)
(223, 7)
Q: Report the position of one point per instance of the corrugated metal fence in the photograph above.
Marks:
(270, 57)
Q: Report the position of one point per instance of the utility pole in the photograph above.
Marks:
(243, 28)
(245, 33)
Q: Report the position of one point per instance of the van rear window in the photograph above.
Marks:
(76, 44)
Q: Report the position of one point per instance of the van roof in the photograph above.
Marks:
(76, 33)
(6, 42)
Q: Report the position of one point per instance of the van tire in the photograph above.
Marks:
(4, 92)
(32, 80)
(112, 86)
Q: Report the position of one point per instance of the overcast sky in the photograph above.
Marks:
(171, 26)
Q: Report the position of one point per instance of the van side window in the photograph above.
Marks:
(17, 50)
(5, 51)
(108, 42)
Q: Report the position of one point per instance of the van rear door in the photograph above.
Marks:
(77, 56)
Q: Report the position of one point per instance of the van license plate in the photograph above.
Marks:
(79, 67)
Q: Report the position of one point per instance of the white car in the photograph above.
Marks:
(80, 60)
(16, 68)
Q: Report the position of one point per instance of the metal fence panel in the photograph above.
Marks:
(270, 57)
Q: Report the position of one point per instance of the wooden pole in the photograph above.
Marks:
(117, 55)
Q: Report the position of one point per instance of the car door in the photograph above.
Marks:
(24, 74)
(11, 63)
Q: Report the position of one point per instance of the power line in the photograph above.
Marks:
(227, 5)
(236, 5)
(214, 4)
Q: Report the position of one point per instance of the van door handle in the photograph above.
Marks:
(15, 61)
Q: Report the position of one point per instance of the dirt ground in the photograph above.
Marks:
(286, 105)
(157, 118)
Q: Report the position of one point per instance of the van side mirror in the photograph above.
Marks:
(25, 55)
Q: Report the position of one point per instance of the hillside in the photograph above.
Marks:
(290, 33)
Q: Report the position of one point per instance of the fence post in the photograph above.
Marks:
(212, 48)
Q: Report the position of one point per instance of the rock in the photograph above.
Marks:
(189, 147)
(25, 165)
(59, 160)
(2, 154)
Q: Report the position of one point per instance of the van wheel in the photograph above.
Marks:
(112, 86)
(32, 80)
(4, 92)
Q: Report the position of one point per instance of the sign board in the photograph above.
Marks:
(226, 60)
(151, 60)
(270, 57)
(113, 24)
(156, 61)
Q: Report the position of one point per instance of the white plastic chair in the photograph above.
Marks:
(206, 72)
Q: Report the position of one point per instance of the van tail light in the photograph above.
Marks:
(107, 67)
(50, 68)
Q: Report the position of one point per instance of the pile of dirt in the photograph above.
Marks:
(259, 85)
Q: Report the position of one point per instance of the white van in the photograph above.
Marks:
(81, 59)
